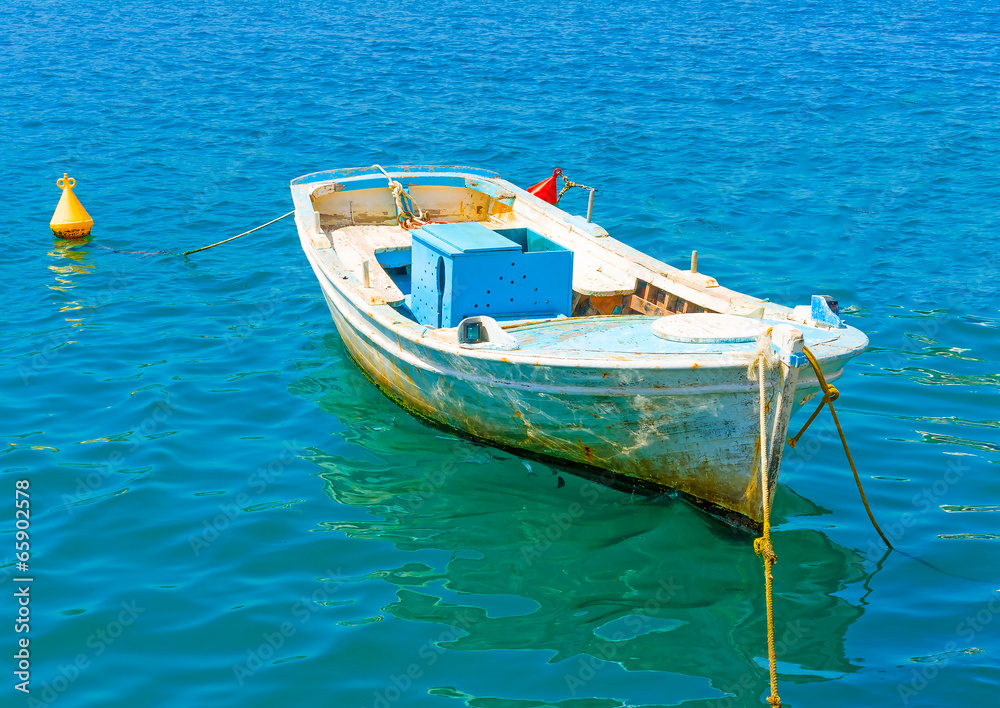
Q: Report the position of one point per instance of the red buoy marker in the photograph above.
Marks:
(547, 190)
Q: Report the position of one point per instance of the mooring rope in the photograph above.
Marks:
(762, 546)
(405, 205)
(144, 254)
(213, 245)
(830, 394)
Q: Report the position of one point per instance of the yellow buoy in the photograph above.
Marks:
(70, 219)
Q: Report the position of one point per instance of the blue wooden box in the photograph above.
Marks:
(464, 269)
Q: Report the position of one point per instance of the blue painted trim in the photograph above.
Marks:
(355, 178)
(379, 182)
(823, 312)
(796, 360)
(431, 181)
(355, 172)
(491, 189)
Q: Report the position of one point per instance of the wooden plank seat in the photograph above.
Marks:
(357, 247)
(381, 239)
(591, 278)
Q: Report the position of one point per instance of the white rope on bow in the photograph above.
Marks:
(762, 357)
(404, 216)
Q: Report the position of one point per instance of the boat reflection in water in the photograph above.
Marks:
(602, 580)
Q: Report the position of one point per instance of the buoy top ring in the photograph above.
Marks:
(64, 180)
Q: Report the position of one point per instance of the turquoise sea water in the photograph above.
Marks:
(225, 512)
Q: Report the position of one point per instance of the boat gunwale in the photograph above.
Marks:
(357, 173)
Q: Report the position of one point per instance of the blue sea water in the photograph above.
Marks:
(225, 512)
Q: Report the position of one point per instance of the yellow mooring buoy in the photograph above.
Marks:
(70, 219)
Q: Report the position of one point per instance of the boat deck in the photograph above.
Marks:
(375, 254)
(379, 257)
(597, 337)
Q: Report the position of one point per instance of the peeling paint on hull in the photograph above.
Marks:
(705, 444)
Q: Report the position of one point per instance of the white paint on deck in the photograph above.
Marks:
(592, 278)
(707, 328)
(378, 239)
(357, 247)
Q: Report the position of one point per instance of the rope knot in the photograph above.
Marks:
(774, 700)
(408, 214)
(762, 547)
(762, 355)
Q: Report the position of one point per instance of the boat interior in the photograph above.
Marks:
(468, 257)
(475, 253)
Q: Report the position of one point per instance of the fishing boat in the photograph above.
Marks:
(484, 308)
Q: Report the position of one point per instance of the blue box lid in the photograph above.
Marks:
(468, 237)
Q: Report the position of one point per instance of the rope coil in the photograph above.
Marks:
(405, 206)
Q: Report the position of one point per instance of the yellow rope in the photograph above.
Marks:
(762, 546)
(204, 248)
(830, 394)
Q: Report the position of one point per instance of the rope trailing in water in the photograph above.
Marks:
(144, 254)
(405, 206)
(762, 546)
(830, 394)
(205, 248)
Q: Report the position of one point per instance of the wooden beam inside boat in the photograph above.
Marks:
(646, 307)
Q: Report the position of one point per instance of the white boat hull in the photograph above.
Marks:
(687, 423)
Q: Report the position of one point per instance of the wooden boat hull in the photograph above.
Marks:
(691, 430)
(687, 423)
